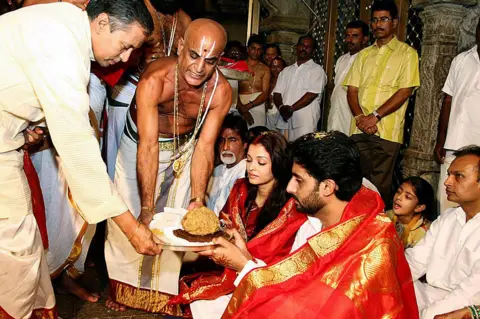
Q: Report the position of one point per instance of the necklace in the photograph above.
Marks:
(167, 50)
(181, 156)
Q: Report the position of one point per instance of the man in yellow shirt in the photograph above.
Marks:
(379, 84)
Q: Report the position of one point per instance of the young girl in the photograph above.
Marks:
(412, 207)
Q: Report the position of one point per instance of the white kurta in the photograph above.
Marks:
(293, 82)
(221, 183)
(340, 117)
(45, 55)
(463, 84)
(449, 255)
(214, 309)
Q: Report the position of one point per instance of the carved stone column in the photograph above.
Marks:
(441, 24)
(287, 21)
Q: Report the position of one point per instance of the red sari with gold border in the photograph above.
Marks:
(272, 243)
(354, 269)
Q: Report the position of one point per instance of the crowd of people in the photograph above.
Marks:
(117, 110)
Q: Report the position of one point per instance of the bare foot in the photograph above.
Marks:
(112, 305)
(72, 287)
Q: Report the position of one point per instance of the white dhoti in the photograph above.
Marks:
(25, 287)
(137, 281)
(257, 112)
(69, 236)
(119, 100)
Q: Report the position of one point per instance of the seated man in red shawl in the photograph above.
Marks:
(344, 259)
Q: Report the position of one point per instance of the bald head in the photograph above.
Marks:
(200, 50)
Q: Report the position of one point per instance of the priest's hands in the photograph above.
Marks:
(457, 314)
(234, 256)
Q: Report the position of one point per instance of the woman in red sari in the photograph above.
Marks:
(253, 203)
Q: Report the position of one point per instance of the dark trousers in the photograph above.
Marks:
(377, 157)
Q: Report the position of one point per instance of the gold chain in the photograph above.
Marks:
(180, 161)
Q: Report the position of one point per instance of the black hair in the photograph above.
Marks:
(275, 46)
(359, 24)
(167, 6)
(237, 123)
(255, 38)
(385, 5)
(469, 150)
(122, 13)
(235, 44)
(307, 36)
(256, 131)
(425, 195)
(276, 146)
(332, 156)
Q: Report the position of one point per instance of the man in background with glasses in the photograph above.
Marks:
(379, 84)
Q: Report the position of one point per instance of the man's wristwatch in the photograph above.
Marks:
(375, 113)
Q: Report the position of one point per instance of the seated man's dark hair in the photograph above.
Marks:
(255, 38)
(122, 13)
(359, 24)
(385, 5)
(331, 155)
(237, 123)
(469, 150)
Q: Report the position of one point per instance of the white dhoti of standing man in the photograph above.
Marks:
(257, 112)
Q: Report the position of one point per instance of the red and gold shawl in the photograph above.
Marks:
(354, 269)
(271, 244)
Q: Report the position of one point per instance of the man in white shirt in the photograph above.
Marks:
(449, 254)
(298, 92)
(232, 145)
(356, 38)
(458, 125)
(342, 229)
(45, 57)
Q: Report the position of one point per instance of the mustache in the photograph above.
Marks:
(378, 29)
(227, 153)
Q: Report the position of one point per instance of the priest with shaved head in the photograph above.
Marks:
(165, 159)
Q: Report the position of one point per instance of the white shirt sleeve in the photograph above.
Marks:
(418, 257)
(449, 86)
(250, 265)
(317, 80)
(457, 298)
(280, 86)
(59, 74)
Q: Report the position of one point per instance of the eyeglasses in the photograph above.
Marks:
(381, 19)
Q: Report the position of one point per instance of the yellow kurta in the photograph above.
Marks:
(379, 73)
(45, 55)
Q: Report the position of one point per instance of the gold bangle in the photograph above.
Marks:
(358, 116)
(150, 209)
(138, 227)
(197, 200)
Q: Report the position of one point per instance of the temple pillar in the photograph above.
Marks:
(287, 20)
(441, 25)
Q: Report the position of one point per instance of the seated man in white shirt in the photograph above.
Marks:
(231, 146)
(449, 254)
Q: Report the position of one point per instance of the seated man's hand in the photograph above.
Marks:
(144, 242)
(227, 254)
(457, 314)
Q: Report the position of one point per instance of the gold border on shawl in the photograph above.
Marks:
(319, 246)
(330, 240)
(144, 299)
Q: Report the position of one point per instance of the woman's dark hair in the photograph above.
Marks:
(256, 132)
(276, 146)
(424, 192)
